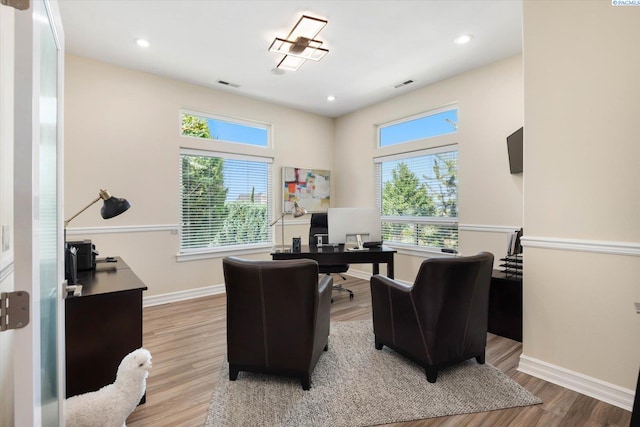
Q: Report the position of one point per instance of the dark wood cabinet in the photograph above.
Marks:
(505, 306)
(102, 325)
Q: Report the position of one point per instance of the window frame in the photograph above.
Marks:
(415, 148)
(233, 120)
(192, 145)
(432, 112)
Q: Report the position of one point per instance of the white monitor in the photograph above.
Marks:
(346, 223)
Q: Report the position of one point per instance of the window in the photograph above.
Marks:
(418, 197)
(229, 130)
(434, 123)
(225, 198)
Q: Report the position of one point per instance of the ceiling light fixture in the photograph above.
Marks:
(331, 98)
(463, 39)
(300, 45)
(142, 43)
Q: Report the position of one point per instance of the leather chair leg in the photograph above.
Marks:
(305, 380)
(233, 372)
(480, 359)
(432, 374)
(379, 345)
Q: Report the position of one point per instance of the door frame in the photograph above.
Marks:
(27, 371)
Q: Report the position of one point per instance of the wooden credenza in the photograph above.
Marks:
(505, 306)
(102, 325)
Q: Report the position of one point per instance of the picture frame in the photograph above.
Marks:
(310, 188)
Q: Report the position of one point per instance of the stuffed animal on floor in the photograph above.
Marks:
(111, 405)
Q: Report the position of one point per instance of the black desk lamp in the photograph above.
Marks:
(297, 213)
(113, 206)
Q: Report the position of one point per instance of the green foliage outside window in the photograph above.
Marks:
(413, 199)
(208, 219)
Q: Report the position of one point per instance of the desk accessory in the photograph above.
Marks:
(297, 212)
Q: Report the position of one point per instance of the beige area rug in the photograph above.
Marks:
(354, 384)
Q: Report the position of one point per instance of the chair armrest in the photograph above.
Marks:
(325, 283)
(379, 280)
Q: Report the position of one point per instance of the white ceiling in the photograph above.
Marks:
(373, 45)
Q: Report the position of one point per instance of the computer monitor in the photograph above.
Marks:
(346, 223)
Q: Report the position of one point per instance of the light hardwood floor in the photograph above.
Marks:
(188, 342)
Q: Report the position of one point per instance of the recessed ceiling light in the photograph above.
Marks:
(142, 43)
(465, 38)
(331, 98)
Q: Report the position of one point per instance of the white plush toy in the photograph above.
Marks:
(111, 405)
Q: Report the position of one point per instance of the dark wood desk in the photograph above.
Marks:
(102, 325)
(331, 255)
(505, 306)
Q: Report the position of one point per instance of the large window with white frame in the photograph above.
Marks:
(417, 191)
(225, 198)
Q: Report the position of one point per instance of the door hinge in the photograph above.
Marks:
(17, 4)
(14, 310)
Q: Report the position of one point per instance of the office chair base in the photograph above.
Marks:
(340, 288)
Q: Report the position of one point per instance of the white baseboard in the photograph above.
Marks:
(589, 386)
(182, 295)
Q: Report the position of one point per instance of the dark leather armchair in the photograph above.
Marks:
(277, 316)
(320, 227)
(441, 319)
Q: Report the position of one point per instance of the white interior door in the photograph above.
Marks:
(38, 247)
(6, 205)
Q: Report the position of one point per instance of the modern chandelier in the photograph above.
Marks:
(301, 44)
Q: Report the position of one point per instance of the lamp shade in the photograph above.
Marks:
(114, 206)
(298, 211)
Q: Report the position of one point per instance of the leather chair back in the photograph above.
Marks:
(277, 314)
(443, 317)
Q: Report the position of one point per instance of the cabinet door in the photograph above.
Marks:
(100, 331)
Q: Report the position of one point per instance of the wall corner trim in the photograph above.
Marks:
(589, 386)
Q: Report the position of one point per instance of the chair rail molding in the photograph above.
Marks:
(173, 228)
(488, 228)
(578, 245)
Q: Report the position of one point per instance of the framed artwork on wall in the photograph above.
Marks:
(311, 188)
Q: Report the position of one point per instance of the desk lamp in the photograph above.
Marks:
(297, 213)
(113, 206)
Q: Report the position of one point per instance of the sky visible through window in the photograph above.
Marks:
(227, 131)
(420, 128)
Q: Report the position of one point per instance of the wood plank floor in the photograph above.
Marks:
(188, 342)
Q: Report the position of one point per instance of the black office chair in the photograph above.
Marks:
(320, 227)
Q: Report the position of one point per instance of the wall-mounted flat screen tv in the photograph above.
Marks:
(514, 147)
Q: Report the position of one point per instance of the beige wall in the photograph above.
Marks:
(581, 188)
(489, 109)
(122, 134)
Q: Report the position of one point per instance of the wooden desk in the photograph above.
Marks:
(332, 255)
(102, 325)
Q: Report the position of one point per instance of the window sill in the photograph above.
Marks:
(418, 251)
(224, 252)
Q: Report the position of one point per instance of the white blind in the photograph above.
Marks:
(418, 197)
(225, 200)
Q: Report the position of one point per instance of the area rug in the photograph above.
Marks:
(354, 385)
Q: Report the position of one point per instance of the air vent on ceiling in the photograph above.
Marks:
(408, 82)
(222, 82)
